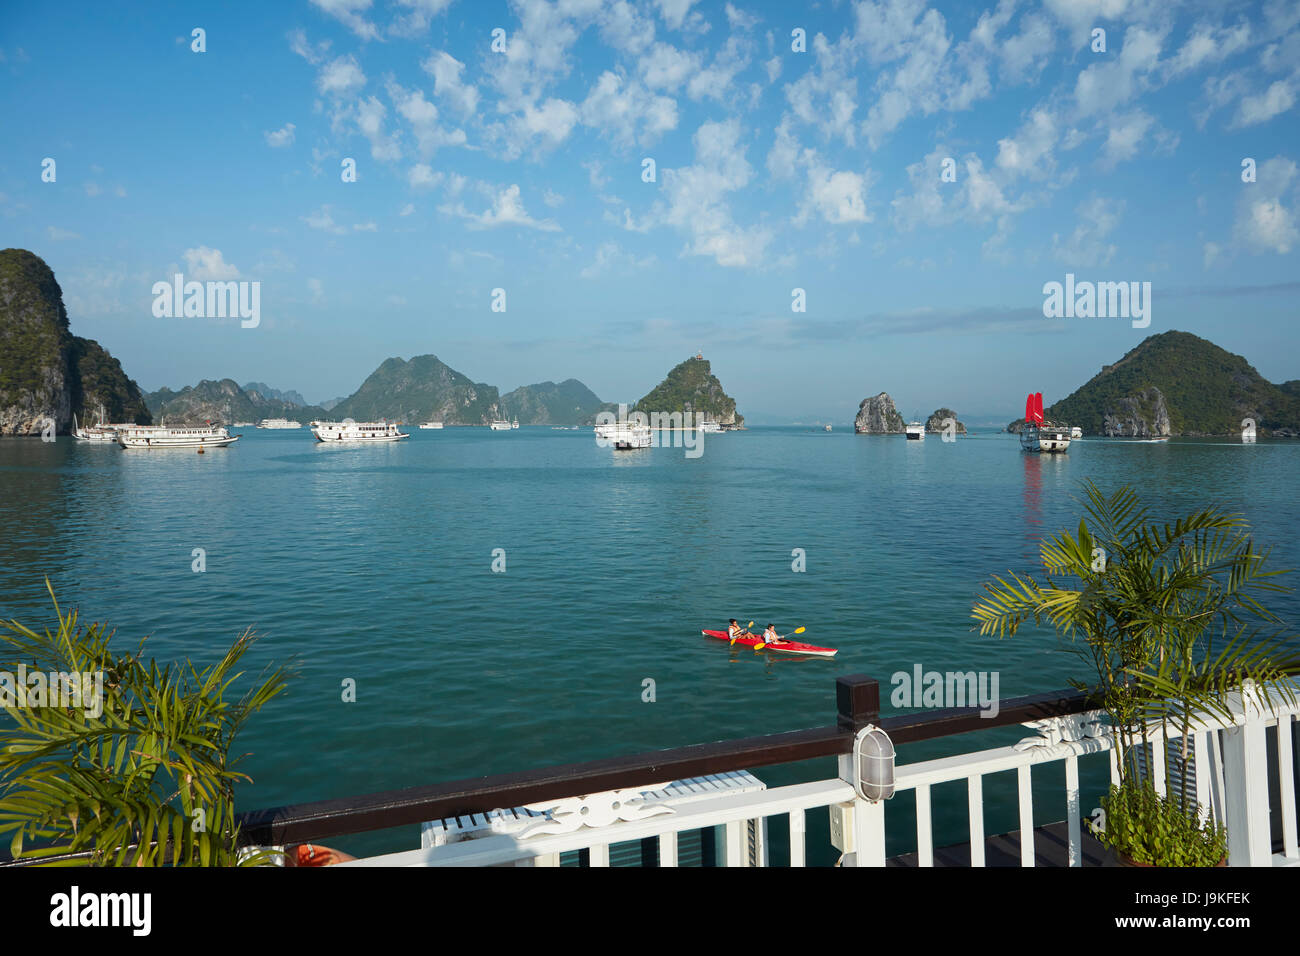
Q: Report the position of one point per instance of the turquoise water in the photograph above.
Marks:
(375, 563)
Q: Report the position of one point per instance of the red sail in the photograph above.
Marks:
(1038, 407)
(1029, 408)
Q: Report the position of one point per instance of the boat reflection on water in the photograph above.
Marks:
(1031, 521)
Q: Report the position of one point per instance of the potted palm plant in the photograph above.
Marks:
(138, 770)
(1170, 617)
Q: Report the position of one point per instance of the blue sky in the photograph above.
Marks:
(522, 169)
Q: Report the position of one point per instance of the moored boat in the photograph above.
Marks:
(500, 425)
(357, 432)
(1039, 434)
(915, 431)
(278, 423)
(431, 425)
(168, 436)
(623, 436)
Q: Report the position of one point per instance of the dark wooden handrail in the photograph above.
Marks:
(858, 704)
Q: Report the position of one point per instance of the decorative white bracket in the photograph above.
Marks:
(593, 810)
(1055, 730)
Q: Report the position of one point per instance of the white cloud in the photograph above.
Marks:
(416, 21)
(370, 114)
(629, 112)
(1260, 108)
(665, 67)
(300, 45)
(610, 257)
(407, 209)
(341, 76)
(323, 220)
(715, 80)
(349, 13)
(317, 290)
(447, 83)
(694, 198)
(1124, 136)
(281, 137)
(422, 116)
(839, 197)
(60, 235)
(364, 227)
(675, 12)
(203, 264)
(1105, 86)
(1087, 245)
(1264, 222)
(507, 210)
(1206, 44)
(423, 176)
(1029, 152)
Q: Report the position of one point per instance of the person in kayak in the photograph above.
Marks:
(734, 630)
(771, 637)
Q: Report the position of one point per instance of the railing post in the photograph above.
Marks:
(1245, 776)
(857, 699)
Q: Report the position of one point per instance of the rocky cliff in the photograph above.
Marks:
(46, 372)
(1141, 415)
(934, 424)
(878, 416)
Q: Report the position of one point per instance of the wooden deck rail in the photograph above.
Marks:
(858, 704)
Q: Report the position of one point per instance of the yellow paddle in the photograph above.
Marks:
(747, 627)
(760, 645)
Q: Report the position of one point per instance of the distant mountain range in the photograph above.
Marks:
(266, 391)
(224, 401)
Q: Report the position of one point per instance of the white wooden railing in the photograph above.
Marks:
(1231, 781)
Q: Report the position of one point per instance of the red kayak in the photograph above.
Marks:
(788, 647)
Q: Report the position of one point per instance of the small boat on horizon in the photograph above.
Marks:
(431, 425)
(278, 423)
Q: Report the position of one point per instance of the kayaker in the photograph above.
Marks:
(734, 630)
(771, 637)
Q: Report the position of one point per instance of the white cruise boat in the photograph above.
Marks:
(514, 424)
(710, 427)
(623, 435)
(500, 426)
(278, 423)
(431, 425)
(915, 431)
(356, 431)
(1039, 434)
(168, 436)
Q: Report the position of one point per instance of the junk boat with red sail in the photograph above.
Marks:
(1039, 434)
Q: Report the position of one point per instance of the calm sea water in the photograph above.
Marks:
(375, 563)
